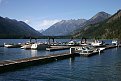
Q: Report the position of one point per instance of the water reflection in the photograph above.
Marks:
(71, 62)
(1, 51)
(33, 53)
(46, 53)
(104, 67)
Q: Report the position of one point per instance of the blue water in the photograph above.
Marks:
(2, 41)
(18, 53)
(103, 67)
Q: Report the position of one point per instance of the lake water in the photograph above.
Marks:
(103, 67)
(17, 53)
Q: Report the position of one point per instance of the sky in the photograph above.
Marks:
(41, 14)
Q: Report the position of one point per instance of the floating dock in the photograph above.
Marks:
(95, 52)
(110, 46)
(55, 48)
(89, 54)
(12, 65)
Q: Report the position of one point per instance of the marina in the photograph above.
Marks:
(17, 60)
(60, 63)
(64, 40)
(9, 65)
(72, 69)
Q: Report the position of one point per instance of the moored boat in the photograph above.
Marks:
(86, 50)
(72, 43)
(97, 43)
(116, 42)
(39, 46)
(26, 46)
(12, 45)
(101, 49)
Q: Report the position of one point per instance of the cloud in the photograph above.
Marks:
(27, 21)
(41, 24)
(44, 24)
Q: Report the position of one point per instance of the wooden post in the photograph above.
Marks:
(35, 40)
(30, 39)
(53, 40)
(72, 50)
(49, 40)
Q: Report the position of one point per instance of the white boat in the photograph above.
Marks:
(39, 46)
(12, 45)
(100, 49)
(86, 50)
(115, 42)
(34, 45)
(71, 43)
(84, 44)
(26, 46)
(97, 43)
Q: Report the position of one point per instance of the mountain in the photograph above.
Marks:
(100, 16)
(10, 28)
(64, 27)
(42, 30)
(108, 29)
(115, 16)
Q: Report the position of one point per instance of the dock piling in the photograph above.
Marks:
(72, 50)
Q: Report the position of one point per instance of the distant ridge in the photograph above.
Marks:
(10, 28)
(108, 29)
(100, 16)
(115, 16)
(66, 27)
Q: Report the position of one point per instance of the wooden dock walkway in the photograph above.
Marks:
(89, 54)
(11, 65)
(55, 56)
(97, 52)
(55, 48)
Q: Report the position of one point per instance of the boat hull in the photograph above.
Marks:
(39, 46)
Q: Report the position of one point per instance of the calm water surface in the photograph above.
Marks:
(17, 53)
(103, 67)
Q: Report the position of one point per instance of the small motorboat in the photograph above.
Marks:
(72, 43)
(86, 50)
(100, 49)
(39, 46)
(12, 45)
(115, 42)
(26, 46)
(97, 43)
